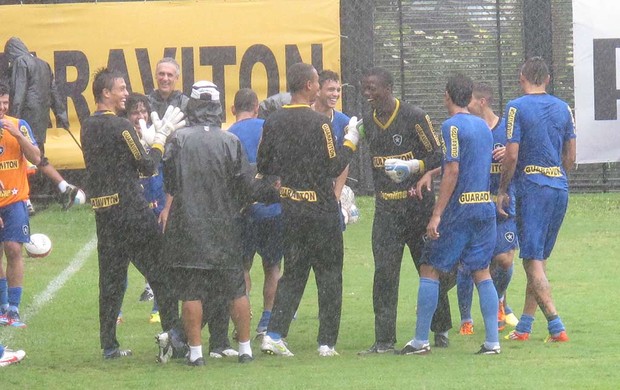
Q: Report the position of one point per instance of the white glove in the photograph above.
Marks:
(398, 170)
(148, 133)
(174, 116)
(352, 131)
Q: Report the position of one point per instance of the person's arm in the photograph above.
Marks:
(19, 83)
(426, 181)
(340, 182)
(29, 149)
(57, 105)
(446, 189)
(509, 165)
(569, 154)
(163, 216)
(338, 160)
(145, 162)
(432, 144)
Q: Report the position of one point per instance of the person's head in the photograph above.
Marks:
(246, 101)
(535, 71)
(204, 107)
(167, 73)
(138, 107)
(4, 98)
(303, 79)
(377, 84)
(459, 89)
(109, 89)
(329, 92)
(481, 99)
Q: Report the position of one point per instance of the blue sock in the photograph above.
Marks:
(428, 295)
(274, 336)
(4, 293)
(464, 293)
(525, 324)
(155, 306)
(501, 279)
(15, 297)
(488, 306)
(555, 326)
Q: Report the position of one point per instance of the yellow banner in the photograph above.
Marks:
(235, 44)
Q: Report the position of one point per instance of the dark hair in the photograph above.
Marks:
(298, 76)
(245, 100)
(384, 76)
(483, 90)
(104, 79)
(134, 99)
(327, 75)
(535, 70)
(459, 88)
(4, 88)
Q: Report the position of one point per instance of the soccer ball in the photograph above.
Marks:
(40, 245)
(80, 198)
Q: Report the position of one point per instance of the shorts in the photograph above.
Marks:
(540, 212)
(263, 236)
(506, 236)
(471, 241)
(16, 223)
(195, 284)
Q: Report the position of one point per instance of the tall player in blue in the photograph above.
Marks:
(541, 148)
(462, 225)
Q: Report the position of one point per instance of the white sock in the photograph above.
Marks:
(62, 186)
(245, 348)
(195, 352)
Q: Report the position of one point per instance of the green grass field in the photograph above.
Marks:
(61, 341)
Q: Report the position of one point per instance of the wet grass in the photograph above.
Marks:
(62, 336)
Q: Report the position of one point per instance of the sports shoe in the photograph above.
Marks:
(11, 357)
(117, 353)
(223, 352)
(511, 319)
(378, 348)
(514, 335)
(154, 318)
(326, 350)
(558, 338)
(441, 341)
(273, 347)
(486, 351)
(411, 350)
(68, 196)
(501, 317)
(165, 347)
(147, 295)
(467, 328)
(196, 363)
(4, 319)
(245, 358)
(119, 319)
(14, 319)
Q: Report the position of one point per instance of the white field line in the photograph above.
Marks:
(48, 294)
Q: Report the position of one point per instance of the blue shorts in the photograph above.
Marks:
(471, 241)
(263, 236)
(16, 223)
(540, 212)
(506, 236)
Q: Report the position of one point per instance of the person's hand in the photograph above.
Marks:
(502, 201)
(173, 117)
(424, 185)
(11, 128)
(499, 153)
(398, 170)
(163, 218)
(352, 131)
(147, 134)
(432, 228)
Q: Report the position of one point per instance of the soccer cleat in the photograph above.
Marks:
(14, 320)
(486, 351)
(223, 352)
(467, 328)
(411, 350)
(511, 319)
(273, 347)
(441, 341)
(326, 350)
(4, 319)
(11, 357)
(147, 295)
(117, 353)
(68, 196)
(165, 347)
(379, 348)
(155, 319)
(514, 335)
(245, 358)
(558, 338)
(501, 317)
(196, 363)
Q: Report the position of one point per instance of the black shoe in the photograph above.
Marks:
(117, 353)
(245, 358)
(378, 348)
(147, 295)
(441, 341)
(196, 363)
(410, 350)
(486, 351)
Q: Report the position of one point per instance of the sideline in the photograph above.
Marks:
(40, 300)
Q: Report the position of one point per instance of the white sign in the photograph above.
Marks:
(596, 33)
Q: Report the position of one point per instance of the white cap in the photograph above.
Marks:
(205, 90)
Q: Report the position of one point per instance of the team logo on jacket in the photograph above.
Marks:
(398, 139)
(509, 236)
(1, 150)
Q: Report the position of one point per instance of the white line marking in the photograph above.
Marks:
(48, 294)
